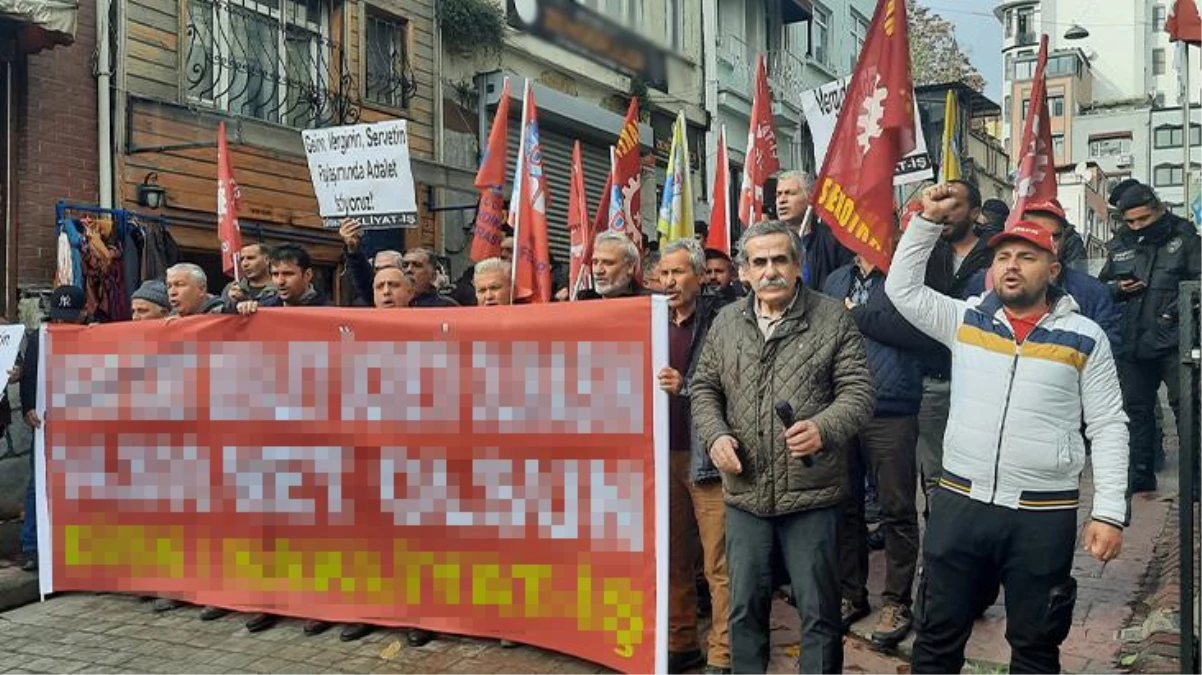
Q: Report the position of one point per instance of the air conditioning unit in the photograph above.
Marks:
(1124, 160)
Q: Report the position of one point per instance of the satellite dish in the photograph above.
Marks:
(1084, 171)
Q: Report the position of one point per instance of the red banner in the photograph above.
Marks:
(227, 208)
(1036, 181)
(459, 470)
(762, 160)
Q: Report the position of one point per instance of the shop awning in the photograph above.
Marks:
(41, 24)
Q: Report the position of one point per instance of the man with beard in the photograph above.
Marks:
(256, 278)
(822, 252)
(614, 260)
(1148, 258)
(292, 275)
(1027, 368)
(421, 265)
(958, 255)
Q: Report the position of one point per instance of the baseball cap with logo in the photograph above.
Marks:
(66, 303)
(1027, 231)
(1051, 206)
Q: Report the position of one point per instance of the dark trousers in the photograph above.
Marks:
(970, 548)
(1140, 380)
(29, 527)
(884, 449)
(808, 546)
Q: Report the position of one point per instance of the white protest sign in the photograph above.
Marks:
(821, 107)
(362, 171)
(10, 344)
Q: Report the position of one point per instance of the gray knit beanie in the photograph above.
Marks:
(153, 291)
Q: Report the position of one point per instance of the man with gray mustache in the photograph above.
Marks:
(781, 387)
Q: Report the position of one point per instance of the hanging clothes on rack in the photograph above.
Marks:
(131, 260)
(99, 256)
(159, 250)
(70, 253)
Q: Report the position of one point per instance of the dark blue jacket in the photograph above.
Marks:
(1092, 296)
(893, 345)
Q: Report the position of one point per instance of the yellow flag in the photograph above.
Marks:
(950, 170)
(676, 209)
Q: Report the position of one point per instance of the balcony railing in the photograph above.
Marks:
(786, 73)
(271, 60)
(734, 67)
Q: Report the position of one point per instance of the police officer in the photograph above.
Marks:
(1147, 259)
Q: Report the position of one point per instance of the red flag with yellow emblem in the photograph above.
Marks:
(874, 131)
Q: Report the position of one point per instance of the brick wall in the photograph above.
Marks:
(55, 150)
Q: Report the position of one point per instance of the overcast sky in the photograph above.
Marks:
(980, 36)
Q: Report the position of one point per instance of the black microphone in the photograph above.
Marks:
(784, 412)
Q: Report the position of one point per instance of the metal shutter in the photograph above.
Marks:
(557, 162)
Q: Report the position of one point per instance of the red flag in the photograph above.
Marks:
(1036, 179)
(532, 252)
(761, 161)
(718, 237)
(228, 196)
(490, 180)
(874, 131)
(577, 223)
(1184, 22)
(629, 170)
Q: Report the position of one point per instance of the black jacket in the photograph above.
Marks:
(432, 299)
(701, 468)
(823, 255)
(1161, 255)
(893, 345)
(632, 290)
(29, 372)
(310, 298)
(944, 278)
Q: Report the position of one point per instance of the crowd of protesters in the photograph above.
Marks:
(978, 376)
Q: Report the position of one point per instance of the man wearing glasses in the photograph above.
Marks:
(1148, 258)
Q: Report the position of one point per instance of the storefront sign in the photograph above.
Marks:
(441, 469)
(821, 107)
(363, 172)
(578, 29)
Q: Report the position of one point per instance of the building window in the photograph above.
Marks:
(675, 25)
(1024, 70)
(1006, 107)
(859, 33)
(625, 12)
(1008, 20)
(1058, 145)
(1109, 147)
(1168, 175)
(1056, 106)
(1158, 64)
(1026, 27)
(821, 48)
(1168, 137)
(1159, 16)
(266, 59)
(388, 80)
(1026, 107)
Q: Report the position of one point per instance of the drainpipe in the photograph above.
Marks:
(104, 105)
(439, 154)
(709, 78)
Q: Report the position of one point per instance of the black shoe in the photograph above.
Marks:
(509, 644)
(876, 540)
(314, 627)
(1144, 483)
(853, 613)
(678, 662)
(261, 622)
(419, 638)
(716, 670)
(892, 626)
(355, 631)
(166, 605)
(213, 613)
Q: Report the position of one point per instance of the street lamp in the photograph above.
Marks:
(1076, 32)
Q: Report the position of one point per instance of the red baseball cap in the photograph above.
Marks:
(1027, 231)
(1051, 206)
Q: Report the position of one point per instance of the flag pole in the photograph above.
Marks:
(1187, 166)
(519, 191)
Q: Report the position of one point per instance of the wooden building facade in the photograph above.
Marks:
(268, 68)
